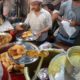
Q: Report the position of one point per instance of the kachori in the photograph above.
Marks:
(17, 51)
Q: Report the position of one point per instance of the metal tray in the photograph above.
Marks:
(26, 59)
(31, 38)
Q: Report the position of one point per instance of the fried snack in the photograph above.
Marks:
(35, 53)
(8, 38)
(19, 67)
(9, 64)
(26, 34)
(32, 53)
(4, 39)
(17, 51)
(6, 61)
(44, 53)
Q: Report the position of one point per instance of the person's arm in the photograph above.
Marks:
(57, 15)
(38, 34)
(62, 11)
(26, 23)
(48, 23)
(78, 23)
(45, 30)
(74, 23)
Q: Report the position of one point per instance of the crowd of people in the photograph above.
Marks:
(48, 20)
(44, 17)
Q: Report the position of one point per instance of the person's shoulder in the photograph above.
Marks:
(64, 4)
(45, 11)
(30, 13)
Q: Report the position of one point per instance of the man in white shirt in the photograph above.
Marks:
(39, 20)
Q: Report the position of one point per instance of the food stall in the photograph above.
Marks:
(25, 58)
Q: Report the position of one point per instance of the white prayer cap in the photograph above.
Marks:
(36, 1)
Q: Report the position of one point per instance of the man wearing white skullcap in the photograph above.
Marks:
(39, 20)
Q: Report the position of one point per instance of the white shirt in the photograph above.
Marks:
(38, 23)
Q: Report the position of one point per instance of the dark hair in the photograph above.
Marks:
(50, 6)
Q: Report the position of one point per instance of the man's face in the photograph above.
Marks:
(35, 6)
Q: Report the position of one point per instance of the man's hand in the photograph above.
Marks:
(38, 34)
(19, 28)
(55, 16)
(73, 23)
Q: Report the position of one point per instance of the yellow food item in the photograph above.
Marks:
(32, 53)
(26, 34)
(55, 66)
(35, 53)
(17, 51)
(75, 59)
(6, 61)
(73, 54)
(4, 39)
(19, 67)
(9, 64)
(17, 57)
(44, 53)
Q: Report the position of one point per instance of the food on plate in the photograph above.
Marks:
(9, 64)
(75, 59)
(55, 65)
(26, 34)
(17, 51)
(6, 61)
(33, 53)
(43, 53)
(5, 38)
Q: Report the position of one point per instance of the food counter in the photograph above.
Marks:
(23, 57)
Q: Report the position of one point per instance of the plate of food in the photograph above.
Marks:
(5, 38)
(18, 53)
(10, 65)
(26, 36)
